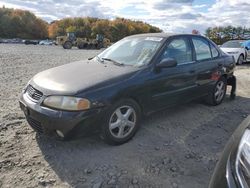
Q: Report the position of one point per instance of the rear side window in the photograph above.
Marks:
(202, 49)
(214, 51)
(178, 49)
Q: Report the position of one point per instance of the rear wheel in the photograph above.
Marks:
(67, 45)
(88, 46)
(85, 45)
(122, 122)
(80, 46)
(91, 46)
(99, 46)
(240, 60)
(218, 93)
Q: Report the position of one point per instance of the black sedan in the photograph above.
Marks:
(137, 75)
(34, 42)
(233, 168)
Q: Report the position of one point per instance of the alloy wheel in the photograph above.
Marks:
(122, 122)
(219, 91)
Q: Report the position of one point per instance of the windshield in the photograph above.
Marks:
(232, 44)
(134, 51)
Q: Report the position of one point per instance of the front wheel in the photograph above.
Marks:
(218, 93)
(67, 45)
(122, 122)
(80, 46)
(240, 60)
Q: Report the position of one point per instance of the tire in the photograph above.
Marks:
(80, 46)
(85, 45)
(88, 46)
(240, 60)
(218, 93)
(121, 122)
(93, 46)
(67, 45)
(99, 46)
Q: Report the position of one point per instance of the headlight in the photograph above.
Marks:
(243, 160)
(67, 103)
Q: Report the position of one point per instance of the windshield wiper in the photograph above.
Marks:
(97, 57)
(115, 62)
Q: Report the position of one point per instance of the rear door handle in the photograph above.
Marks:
(220, 64)
(192, 71)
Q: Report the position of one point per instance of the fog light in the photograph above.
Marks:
(59, 133)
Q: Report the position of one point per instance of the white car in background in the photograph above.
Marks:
(236, 49)
(46, 42)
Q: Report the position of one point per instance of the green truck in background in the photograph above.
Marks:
(71, 40)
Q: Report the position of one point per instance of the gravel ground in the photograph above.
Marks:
(177, 147)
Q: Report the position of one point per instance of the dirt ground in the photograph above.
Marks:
(177, 147)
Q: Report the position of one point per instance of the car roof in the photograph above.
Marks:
(163, 35)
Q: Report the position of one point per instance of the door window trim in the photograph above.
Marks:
(186, 63)
(169, 40)
(210, 45)
(208, 42)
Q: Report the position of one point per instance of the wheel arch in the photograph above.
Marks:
(242, 55)
(134, 98)
(137, 101)
(224, 76)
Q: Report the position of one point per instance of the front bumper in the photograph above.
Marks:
(46, 120)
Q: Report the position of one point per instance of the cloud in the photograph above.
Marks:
(171, 4)
(189, 16)
(169, 15)
(55, 9)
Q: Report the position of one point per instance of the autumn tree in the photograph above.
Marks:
(222, 34)
(15, 23)
(89, 27)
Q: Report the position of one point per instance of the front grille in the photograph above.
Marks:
(36, 125)
(34, 93)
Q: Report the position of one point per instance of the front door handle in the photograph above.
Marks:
(192, 71)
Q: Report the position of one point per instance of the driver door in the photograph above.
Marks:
(174, 85)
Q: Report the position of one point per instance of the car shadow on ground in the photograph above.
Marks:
(179, 144)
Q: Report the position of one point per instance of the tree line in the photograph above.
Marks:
(15, 23)
(222, 34)
(88, 27)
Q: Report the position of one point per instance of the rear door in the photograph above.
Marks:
(208, 64)
(176, 84)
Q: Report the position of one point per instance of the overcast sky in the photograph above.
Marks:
(170, 15)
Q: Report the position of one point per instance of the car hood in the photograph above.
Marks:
(227, 50)
(79, 76)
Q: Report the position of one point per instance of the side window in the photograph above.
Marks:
(214, 51)
(202, 49)
(178, 49)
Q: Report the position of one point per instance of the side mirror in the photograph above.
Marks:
(246, 48)
(167, 63)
